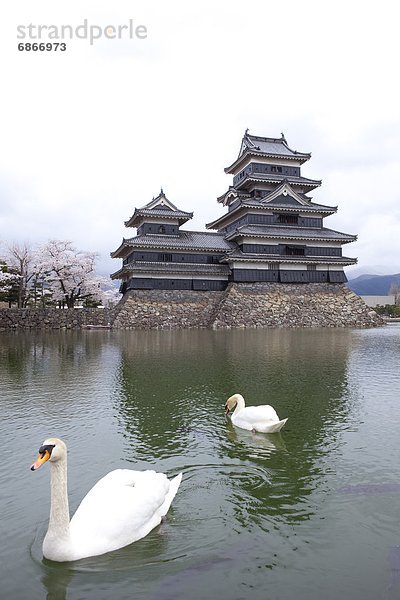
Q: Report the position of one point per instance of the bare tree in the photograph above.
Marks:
(20, 260)
(395, 291)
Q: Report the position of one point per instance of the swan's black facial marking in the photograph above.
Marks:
(48, 448)
(44, 455)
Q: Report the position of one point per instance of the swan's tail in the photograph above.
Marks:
(277, 426)
(173, 488)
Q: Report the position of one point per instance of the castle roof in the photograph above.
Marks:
(286, 203)
(283, 198)
(184, 240)
(159, 207)
(266, 147)
(240, 256)
(285, 188)
(290, 232)
(171, 268)
(272, 178)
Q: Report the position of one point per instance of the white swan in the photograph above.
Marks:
(121, 508)
(253, 418)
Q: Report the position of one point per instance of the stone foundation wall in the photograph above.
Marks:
(52, 318)
(290, 305)
(240, 305)
(167, 309)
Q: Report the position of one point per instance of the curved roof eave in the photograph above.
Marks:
(343, 238)
(301, 182)
(340, 260)
(302, 208)
(115, 253)
(301, 157)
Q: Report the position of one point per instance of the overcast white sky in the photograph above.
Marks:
(91, 133)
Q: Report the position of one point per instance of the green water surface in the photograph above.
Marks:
(310, 513)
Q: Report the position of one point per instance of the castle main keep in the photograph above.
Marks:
(271, 246)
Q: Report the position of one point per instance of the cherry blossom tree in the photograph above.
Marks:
(68, 273)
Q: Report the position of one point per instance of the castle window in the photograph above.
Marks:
(294, 251)
(161, 229)
(165, 257)
(288, 219)
(311, 267)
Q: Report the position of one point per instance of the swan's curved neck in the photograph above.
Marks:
(59, 510)
(239, 404)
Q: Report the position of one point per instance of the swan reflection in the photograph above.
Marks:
(261, 444)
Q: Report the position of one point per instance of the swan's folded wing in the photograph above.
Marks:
(251, 414)
(121, 477)
(121, 508)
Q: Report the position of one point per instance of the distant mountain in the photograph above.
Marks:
(368, 270)
(373, 285)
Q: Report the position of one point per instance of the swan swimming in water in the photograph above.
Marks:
(123, 507)
(253, 418)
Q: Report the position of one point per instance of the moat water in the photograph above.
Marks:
(310, 513)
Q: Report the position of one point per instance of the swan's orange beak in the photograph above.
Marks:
(41, 459)
(226, 409)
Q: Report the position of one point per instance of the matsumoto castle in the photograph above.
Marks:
(271, 231)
